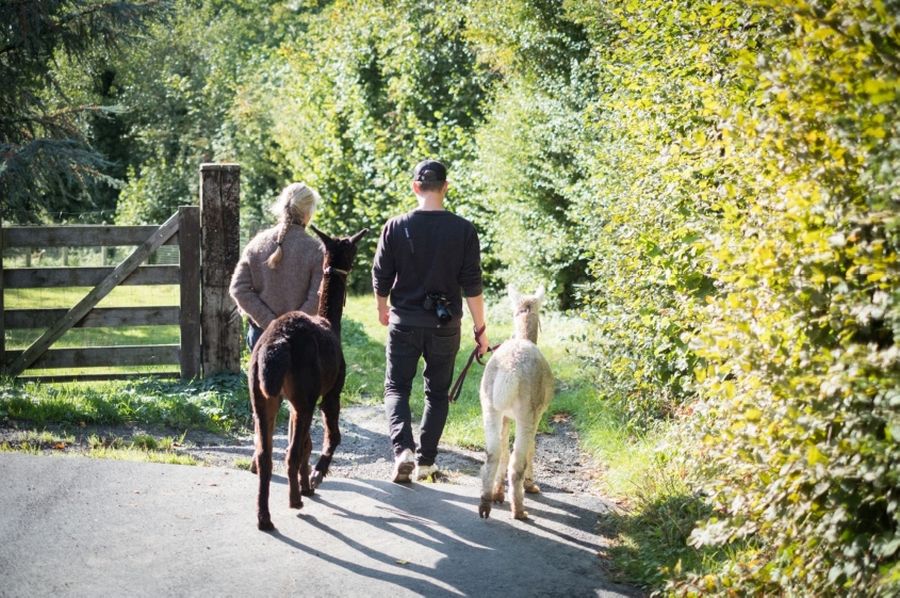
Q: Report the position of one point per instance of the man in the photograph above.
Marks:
(426, 261)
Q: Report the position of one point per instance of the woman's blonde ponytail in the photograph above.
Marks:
(276, 256)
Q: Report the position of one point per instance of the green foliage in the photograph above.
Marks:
(529, 170)
(194, 106)
(47, 165)
(370, 89)
(801, 380)
(740, 231)
(748, 253)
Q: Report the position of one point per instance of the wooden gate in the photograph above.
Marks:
(182, 229)
(207, 235)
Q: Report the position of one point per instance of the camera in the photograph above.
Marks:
(441, 306)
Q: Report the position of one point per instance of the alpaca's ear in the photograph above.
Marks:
(513, 294)
(355, 238)
(325, 238)
(539, 294)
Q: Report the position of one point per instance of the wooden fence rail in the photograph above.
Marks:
(182, 229)
(208, 234)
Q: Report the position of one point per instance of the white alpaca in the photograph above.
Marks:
(517, 385)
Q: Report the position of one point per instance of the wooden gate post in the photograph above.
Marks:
(220, 249)
(189, 314)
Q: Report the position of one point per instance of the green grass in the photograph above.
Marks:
(143, 455)
(99, 337)
(142, 447)
(219, 404)
(24, 447)
(122, 296)
(38, 441)
(46, 438)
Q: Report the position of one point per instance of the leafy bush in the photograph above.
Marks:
(800, 391)
(742, 249)
(749, 253)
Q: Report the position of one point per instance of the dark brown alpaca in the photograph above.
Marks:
(300, 357)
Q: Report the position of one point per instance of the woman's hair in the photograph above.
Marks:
(295, 205)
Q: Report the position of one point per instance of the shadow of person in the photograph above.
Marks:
(427, 538)
(401, 578)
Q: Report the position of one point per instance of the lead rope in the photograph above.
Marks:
(457, 386)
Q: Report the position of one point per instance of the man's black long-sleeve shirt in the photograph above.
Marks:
(427, 251)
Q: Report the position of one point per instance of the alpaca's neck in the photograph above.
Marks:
(527, 326)
(331, 299)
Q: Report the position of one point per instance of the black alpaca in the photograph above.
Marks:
(300, 357)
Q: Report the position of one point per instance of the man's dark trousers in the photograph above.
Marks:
(404, 347)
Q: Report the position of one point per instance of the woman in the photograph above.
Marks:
(281, 268)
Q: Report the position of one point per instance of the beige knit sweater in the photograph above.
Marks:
(262, 293)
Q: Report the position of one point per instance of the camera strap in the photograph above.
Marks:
(412, 247)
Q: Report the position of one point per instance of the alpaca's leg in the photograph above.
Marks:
(305, 423)
(265, 425)
(294, 458)
(529, 486)
(500, 476)
(492, 441)
(267, 451)
(254, 462)
(262, 448)
(305, 449)
(306, 487)
(331, 411)
(524, 440)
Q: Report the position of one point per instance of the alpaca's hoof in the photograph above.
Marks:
(265, 525)
(308, 491)
(484, 508)
(520, 515)
(499, 497)
(296, 503)
(316, 480)
(531, 487)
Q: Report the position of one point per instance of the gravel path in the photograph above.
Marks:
(364, 452)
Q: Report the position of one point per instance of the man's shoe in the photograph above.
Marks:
(404, 463)
(425, 472)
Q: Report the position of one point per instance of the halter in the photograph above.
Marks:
(332, 269)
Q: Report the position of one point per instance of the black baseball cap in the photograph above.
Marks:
(430, 171)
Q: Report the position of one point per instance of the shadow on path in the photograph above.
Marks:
(429, 540)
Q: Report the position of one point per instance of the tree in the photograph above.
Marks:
(47, 165)
(205, 101)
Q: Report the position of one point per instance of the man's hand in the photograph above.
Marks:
(383, 312)
(476, 308)
(483, 344)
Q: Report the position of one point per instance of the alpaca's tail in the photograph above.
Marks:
(273, 359)
(505, 389)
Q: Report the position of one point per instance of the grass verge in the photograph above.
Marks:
(219, 404)
(141, 447)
